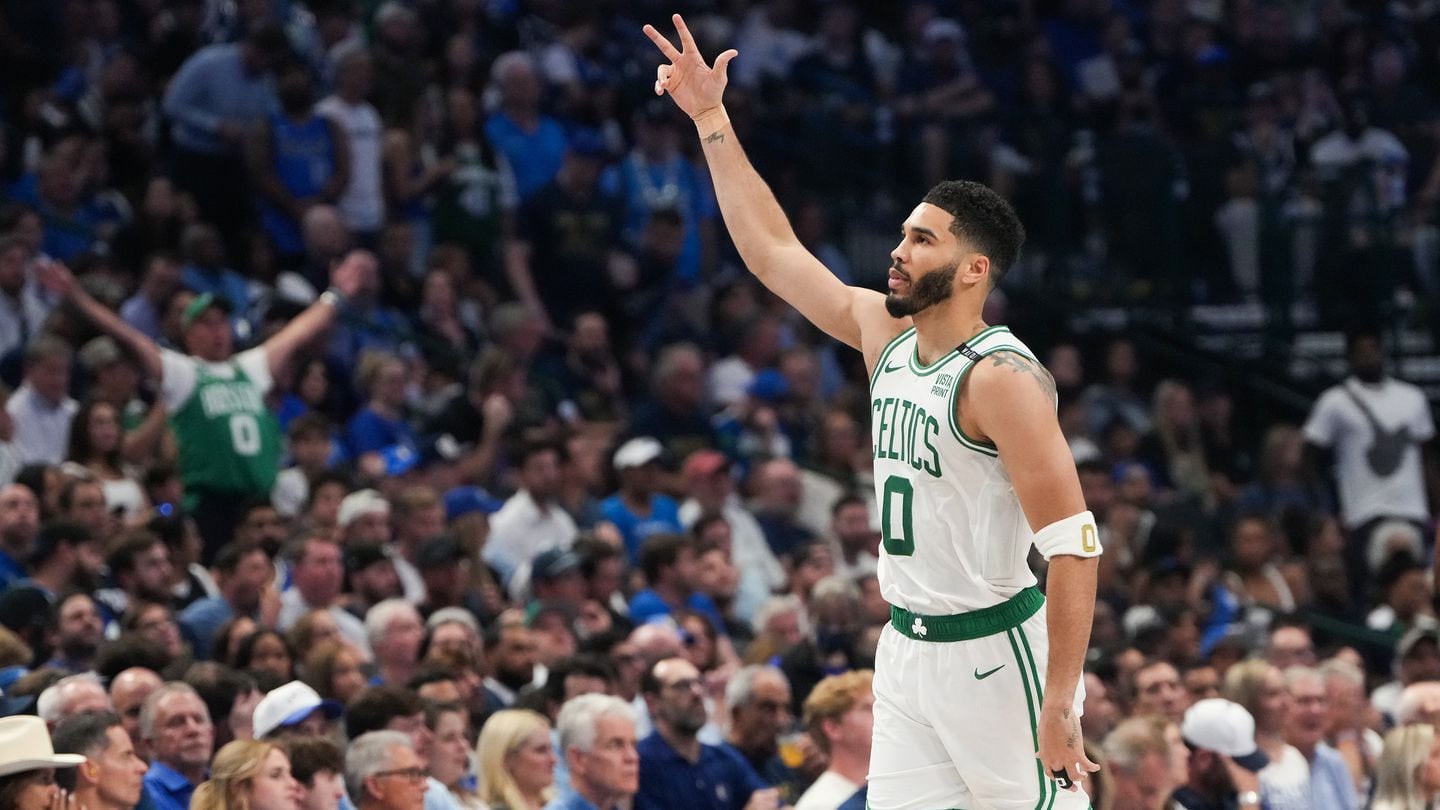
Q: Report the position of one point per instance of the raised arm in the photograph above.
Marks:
(756, 222)
(58, 279)
(353, 274)
(1010, 399)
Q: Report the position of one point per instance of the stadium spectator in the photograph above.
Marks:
(1406, 774)
(244, 577)
(1305, 729)
(128, 692)
(597, 742)
(42, 409)
(516, 760)
(176, 725)
(111, 777)
(250, 774)
(1145, 759)
(318, 764)
(672, 758)
(450, 753)
(383, 772)
(395, 708)
(1224, 760)
(532, 520)
(839, 718)
(317, 579)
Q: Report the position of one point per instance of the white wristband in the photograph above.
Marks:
(1076, 536)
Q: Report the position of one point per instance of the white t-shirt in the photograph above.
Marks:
(1375, 480)
(1285, 782)
(522, 530)
(42, 428)
(179, 373)
(827, 793)
(362, 204)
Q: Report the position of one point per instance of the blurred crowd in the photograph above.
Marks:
(388, 421)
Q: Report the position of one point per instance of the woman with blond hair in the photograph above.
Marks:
(516, 760)
(248, 775)
(1408, 774)
(1260, 688)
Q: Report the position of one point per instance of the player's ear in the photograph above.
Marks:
(975, 269)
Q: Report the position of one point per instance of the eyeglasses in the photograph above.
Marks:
(414, 775)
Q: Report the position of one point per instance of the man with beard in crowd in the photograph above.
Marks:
(674, 764)
(66, 555)
(510, 649)
(78, 633)
(139, 564)
(19, 520)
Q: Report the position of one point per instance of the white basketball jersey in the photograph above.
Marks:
(954, 536)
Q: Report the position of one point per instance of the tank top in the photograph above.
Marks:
(954, 537)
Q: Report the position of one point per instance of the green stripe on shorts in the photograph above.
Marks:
(1040, 694)
(1031, 705)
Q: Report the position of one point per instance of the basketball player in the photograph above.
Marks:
(978, 684)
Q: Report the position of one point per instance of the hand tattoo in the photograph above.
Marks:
(1019, 363)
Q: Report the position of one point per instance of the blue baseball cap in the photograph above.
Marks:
(461, 501)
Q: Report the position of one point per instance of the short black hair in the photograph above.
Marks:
(983, 218)
(310, 755)
(56, 533)
(848, 499)
(374, 708)
(661, 550)
(127, 652)
(218, 686)
(592, 551)
(230, 555)
(85, 733)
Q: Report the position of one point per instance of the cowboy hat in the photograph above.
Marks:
(25, 746)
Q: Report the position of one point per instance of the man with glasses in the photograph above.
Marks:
(395, 709)
(384, 772)
(676, 769)
(758, 699)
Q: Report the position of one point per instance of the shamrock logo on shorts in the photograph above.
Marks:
(918, 628)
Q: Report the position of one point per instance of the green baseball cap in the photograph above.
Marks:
(202, 302)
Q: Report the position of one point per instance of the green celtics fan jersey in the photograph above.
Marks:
(229, 439)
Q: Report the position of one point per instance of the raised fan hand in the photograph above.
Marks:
(696, 87)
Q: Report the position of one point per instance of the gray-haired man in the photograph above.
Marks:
(597, 739)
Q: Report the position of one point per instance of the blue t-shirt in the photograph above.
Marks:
(720, 780)
(11, 571)
(201, 621)
(534, 157)
(369, 432)
(303, 157)
(664, 517)
(676, 184)
(647, 604)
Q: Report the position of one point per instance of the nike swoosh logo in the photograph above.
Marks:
(980, 676)
(890, 368)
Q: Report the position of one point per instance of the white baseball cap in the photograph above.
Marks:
(25, 746)
(638, 452)
(290, 704)
(358, 504)
(1225, 727)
